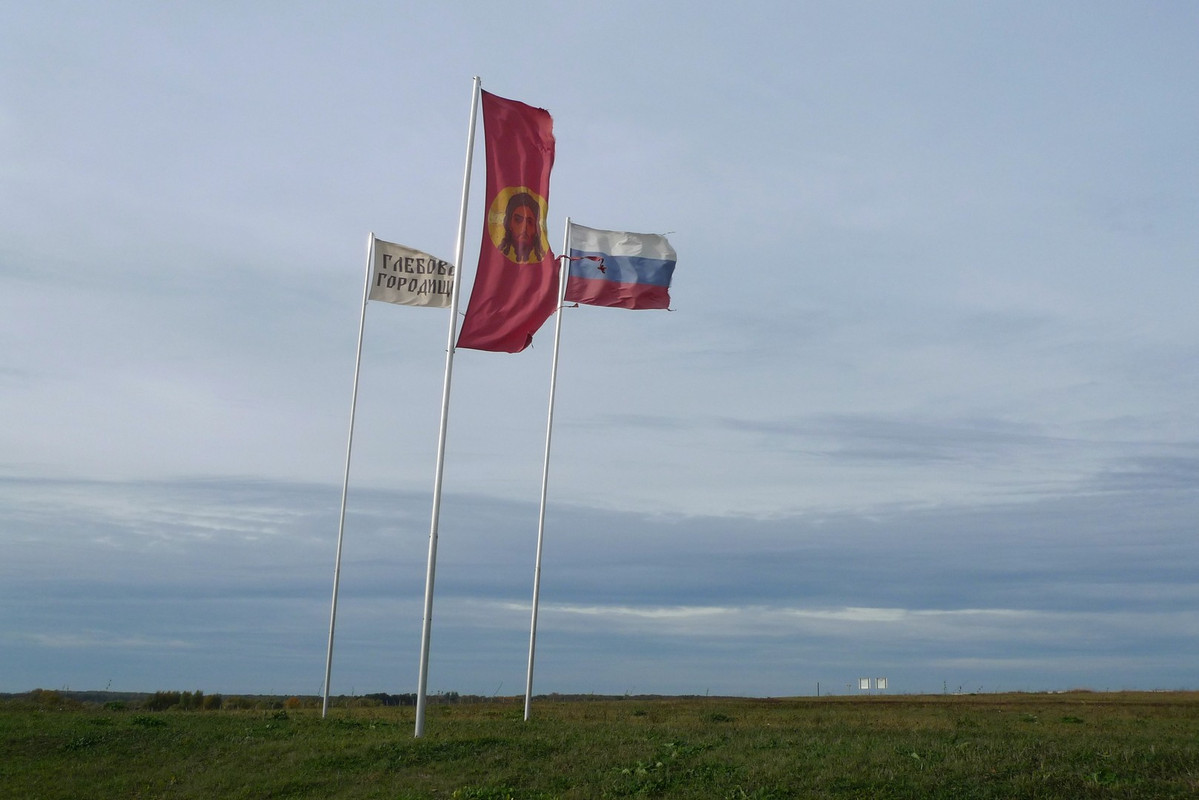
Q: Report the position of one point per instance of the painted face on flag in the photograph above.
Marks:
(519, 236)
(522, 228)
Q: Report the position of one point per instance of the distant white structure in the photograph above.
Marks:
(866, 684)
(880, 683)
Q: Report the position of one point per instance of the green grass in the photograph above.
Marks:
(1078, 745)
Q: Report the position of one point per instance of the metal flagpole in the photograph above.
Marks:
(427, 627)
(345, 485)
(563, 273)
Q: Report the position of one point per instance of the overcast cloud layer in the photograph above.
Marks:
(924, 407)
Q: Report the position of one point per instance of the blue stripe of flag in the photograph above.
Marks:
(621, 269)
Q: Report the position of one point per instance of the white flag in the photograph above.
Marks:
(409, 277)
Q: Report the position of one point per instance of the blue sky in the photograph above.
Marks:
(923, 409)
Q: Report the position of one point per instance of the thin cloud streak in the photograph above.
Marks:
(808, 595)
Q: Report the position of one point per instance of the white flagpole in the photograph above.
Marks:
(427, 627)
(563, 273)
(345, 485)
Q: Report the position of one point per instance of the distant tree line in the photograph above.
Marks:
(385, 699)
(199, 701)
(184, 701)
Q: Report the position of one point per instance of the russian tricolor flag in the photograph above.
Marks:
(620, 269)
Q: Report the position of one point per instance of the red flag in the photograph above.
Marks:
(516, 285)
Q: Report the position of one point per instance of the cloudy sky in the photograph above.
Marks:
(924, 408)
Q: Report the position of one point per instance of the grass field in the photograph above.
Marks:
(1073, 745)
